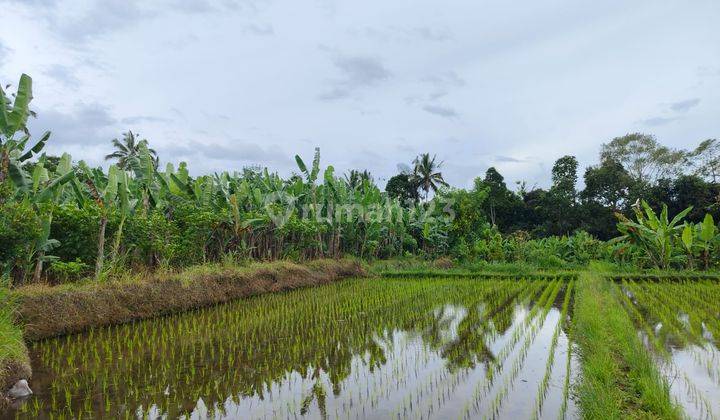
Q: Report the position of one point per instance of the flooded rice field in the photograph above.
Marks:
(390, 348)
(679, 321)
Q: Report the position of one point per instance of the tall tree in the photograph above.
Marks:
(607, 184)
(355, 178)
(128, 149)
(564, 177)
(403, 187)
(643, 157)
(427, 173)
(705, 160)
(500, 202)
(559, 204)
(607, 190)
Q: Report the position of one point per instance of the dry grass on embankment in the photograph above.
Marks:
(46, 311)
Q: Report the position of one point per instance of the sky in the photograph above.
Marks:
(232, 83)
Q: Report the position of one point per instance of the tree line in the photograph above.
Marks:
(632, 168)
(61, 219)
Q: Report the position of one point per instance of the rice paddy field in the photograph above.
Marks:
(679, 321)
(464, 347)
(401, 348)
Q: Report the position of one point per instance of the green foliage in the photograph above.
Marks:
(60, 209)
(20, 230)
(659, 237)
(12, 346)
(66, 272)
(78, 229)
(403, 188)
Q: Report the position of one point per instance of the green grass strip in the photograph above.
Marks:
(12, 346)
(619, 379)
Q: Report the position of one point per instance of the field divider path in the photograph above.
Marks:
(619, 377)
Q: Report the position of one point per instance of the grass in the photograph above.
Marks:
(11, 341)
(619, 378)
(14, 363)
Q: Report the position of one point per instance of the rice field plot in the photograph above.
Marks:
(679, 321)
(416, 348)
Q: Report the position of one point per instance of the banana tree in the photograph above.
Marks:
(13, 119)
(146, 179)
(656, 236)
(45, 193)
(706, 233)
(104, 191)
(310, 178)
(126, 205)
(688, 236)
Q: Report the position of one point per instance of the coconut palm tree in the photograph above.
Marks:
(355, 178)
(427, 173)
(129, 148)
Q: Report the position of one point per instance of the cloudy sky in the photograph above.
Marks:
(480, 83)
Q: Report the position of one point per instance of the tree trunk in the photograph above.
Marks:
(118, 238)
(101, 248)
(38, 267)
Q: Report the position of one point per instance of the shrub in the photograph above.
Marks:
(65, 272)
(77, 230)
(19, 231)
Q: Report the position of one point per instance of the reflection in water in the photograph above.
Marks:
(680, 322)
(426, 348)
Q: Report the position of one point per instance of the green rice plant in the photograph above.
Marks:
(362, 341)
(687, 315)
(518, 363)
(545, 382)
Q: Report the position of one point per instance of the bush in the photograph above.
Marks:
(19, 231)
(65, 272)
(77, 230)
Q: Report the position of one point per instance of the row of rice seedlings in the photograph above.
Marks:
(440, 388)
(699, 321)
(511, 332)
(522, 329)
(680, 302)
(545, 382)
(459, 352)
(568, 374)
(701, 297)
(658, 311)
(472, 340)
(687, 316)
(511, 375)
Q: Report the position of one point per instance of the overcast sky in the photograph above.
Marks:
(510, 84)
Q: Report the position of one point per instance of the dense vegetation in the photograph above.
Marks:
(62, 220)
